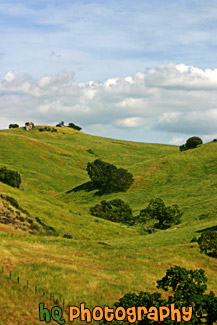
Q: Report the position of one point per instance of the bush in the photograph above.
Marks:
(10, 199)
(10, 177)
(115, 210)
(90, 151)
(61, 124)
(75, 127)
(68, 236)
(185, 288)
(191, 143)
(109, 178)
(157, 210)
(48, 129)
(13, 126)
(208, 243)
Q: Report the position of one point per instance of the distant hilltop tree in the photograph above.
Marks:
(60, 125)
(75, 127)
(191, 143)
(10, 177)
(13, 126)
(29, 126)
(108, 178)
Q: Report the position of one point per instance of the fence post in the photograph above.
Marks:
(18, 280)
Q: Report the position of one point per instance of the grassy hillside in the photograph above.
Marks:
(84, 269)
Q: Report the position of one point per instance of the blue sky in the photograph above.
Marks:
(75, 42)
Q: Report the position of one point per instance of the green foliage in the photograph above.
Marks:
(90, 151)
(10, 177)
(109, 178)
(75, 127)
(13, 126)
(115, 210)
(186, 287)
(47, 129)
(191, 143)
(49, 229)
(68, 236)
(208, 243)
(11, 200)
(157, 210)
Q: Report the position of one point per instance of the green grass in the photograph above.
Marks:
(80, 269)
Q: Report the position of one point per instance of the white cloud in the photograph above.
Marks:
(129, 122)
(173, 99)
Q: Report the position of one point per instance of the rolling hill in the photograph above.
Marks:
(101, 261)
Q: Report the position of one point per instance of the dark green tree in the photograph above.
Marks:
(157, 210)
(75, 127)
(107, 177)
(186, 289)
(10, 177)
(115, 210)
(13, 126)
(191, 143)
(208, 243)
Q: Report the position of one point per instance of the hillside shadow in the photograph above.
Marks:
(214, 228)
(87, 187)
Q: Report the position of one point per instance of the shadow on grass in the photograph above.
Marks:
(214, 228)
(88, 187)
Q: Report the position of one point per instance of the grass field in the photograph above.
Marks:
(83, 269)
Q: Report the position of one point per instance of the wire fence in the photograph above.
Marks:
(26, 284)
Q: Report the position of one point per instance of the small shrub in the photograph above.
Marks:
(10, 177)
(29, 220)
(90, 151)
(34, 227)
(10, 199)
(47, 129)
(115, 210)
(60, 125)
(21, 218)
(46, 227)
(13, 126)
(208, 243)
(203, 216)
(75, 127)
(68, 236)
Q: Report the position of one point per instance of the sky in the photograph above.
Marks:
(133, 70)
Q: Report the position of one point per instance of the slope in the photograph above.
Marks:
(102, 260)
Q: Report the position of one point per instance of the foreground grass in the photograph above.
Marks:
(84, 268)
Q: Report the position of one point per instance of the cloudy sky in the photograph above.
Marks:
(136, 70)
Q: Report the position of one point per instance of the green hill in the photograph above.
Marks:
(102, 260)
